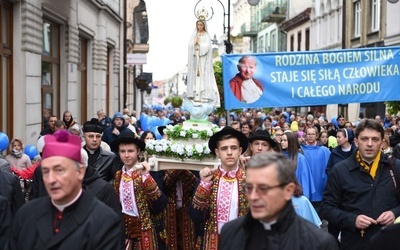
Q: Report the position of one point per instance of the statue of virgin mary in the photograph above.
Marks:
(201, 85)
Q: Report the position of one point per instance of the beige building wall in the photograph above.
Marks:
(91, 19)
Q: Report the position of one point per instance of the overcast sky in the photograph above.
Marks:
(171, 24)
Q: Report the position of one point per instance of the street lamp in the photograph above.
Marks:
(253, 2)
(227, 28)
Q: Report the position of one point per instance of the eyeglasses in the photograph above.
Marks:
(278, 134)
(261, 190)
(91, 136)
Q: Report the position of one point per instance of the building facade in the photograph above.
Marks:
(58, 56)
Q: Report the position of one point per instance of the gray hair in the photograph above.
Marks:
(284, 166)
(84, 157)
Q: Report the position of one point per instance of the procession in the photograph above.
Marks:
(246, 148)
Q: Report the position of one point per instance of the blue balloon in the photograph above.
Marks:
(334, 121)
(4, 141)
(158, 135)
(165, 121)
(143, 121)
(151, 123)
(31, 151)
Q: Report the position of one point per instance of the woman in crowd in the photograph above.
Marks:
(291, 148)
(68, 119)
(386, 148)
(303, 206)
(17, 158)
(146, 136)
(344, 149)
(323, 138)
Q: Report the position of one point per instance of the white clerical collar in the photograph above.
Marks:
(267, 226)
(62, 207)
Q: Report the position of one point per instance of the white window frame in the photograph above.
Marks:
(260, 48)
(273, 41)
(357, 19)
(375, 15)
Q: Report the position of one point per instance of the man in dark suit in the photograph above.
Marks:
(272, 222)
(70, 217)
(100, 159)
(5, 221)
(387, 238)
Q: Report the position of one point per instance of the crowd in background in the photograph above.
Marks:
(290, 133)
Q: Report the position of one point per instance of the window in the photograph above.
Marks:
(375, 15)
(273, 41)
(6, 84)
(307, 39)
(357, 18)
(292, 42)
(50, 69)
(299, 41)
(266, 45)
(261, 45)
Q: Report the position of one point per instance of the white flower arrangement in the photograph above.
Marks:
(176, 150)
(178, 132)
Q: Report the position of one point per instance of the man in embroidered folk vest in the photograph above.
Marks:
(219, 197)
(139, 193)
(361, 193)
(70, 217)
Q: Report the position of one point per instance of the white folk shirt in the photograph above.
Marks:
(134, 212)
(228, 199)
(250, 91)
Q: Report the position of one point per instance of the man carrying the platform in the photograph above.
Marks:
(219, 196)
(139, 194)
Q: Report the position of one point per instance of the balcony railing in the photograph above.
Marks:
(251, 31)
(275, 11)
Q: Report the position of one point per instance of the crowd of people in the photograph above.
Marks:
(285, 181)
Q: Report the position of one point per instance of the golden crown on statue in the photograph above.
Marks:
(202, 14)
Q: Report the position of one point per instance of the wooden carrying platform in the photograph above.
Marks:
(160, 163)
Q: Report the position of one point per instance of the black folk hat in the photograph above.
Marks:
(93, 126)
(212, 143)
(127, 137)
(263, 135)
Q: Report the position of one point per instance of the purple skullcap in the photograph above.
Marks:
(62, 143)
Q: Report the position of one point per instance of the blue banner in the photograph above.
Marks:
(306, 78)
